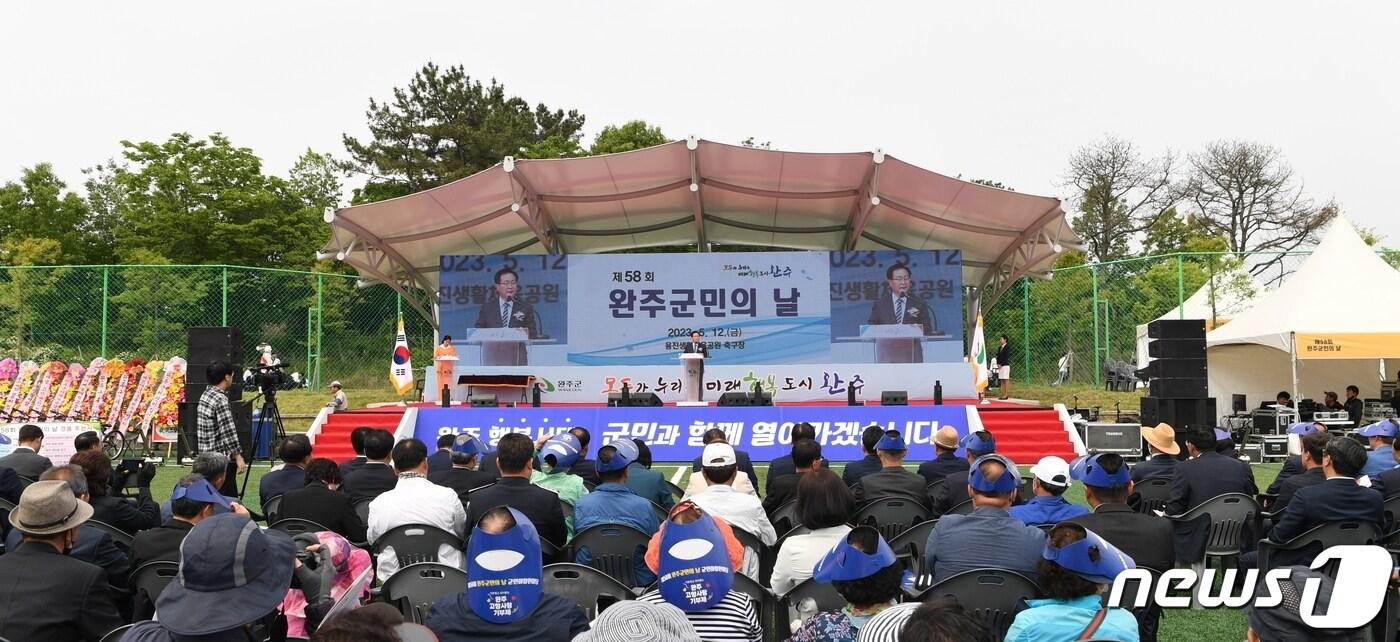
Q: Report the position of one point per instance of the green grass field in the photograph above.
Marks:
(1177, 626)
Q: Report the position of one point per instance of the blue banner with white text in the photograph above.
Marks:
(674, 433)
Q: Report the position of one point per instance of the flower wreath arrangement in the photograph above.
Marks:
(75, 409)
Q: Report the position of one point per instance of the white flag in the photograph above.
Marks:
(400, 366)
(979, 357)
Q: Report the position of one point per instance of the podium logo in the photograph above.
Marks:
(1358, 591)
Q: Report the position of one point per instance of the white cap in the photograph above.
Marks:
(718, 454)
(1052, 470)
(336, 384)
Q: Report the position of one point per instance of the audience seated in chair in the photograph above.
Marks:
(1337, 499)
(357, 443)
(25, 459)
(1284, 622)
(783, 466)
(647, 483)
(854, 471)
(45, 594)
(557, 455)
(1207, 474)
(414, 500)
(1294, 465)
(212, 466)
(612, 502)
(892, 478)
(641, 620)
(747, 484)
(321, 501)
(1162, 449)
(93, 546)
(740, 510)
(338, 564)
(1050, 480)
(1381, 438)
(111, 508)
(504, 599)
(376, 476)
(1313, 445)
(462, 475)
(441, 459)
(584, 467)
(823, 506)
(945, 460)
(863, 569)
(696, 574)
(953, 491)
(1078, 566)
(515, 459)
(806, 456)
(937, 620)
(989, 537)
(294, 452)
(194, 500)
(1107, 484)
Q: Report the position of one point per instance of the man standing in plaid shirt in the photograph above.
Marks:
(215, 428)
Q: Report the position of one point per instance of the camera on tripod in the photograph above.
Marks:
(270, 378)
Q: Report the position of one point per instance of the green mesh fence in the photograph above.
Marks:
(328, 328)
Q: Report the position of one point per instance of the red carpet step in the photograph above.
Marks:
(334, 440)
(1026, 435)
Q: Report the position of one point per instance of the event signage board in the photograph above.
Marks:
(674, 433)
(58, 438)
(1342, 345)
(750, 307)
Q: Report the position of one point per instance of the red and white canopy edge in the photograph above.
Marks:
(698, 192)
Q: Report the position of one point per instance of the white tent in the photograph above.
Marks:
(1325, 328)
(1230, 299)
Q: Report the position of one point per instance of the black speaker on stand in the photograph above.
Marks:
(1177, 383)
(204, 346)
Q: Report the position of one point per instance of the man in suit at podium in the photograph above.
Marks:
(696, 346)
(503, 310)
(899, 306)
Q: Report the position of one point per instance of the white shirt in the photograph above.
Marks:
(802, 552)
(740, 511)
(415, 500)
(698, 484)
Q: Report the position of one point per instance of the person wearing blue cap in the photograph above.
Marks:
(870, 463)
(1313, 446)
(954, 489)
(1381, 438)
(504, 597)
(1145, 537)
(1294, 465)
(988, 536)
(614, 503)
(1338, 498)
(695, 573)
(1077, 566)
(1388, 482)
(462, 476)
(864, 570)
(892, 479)
(1205, 475)
(557, 456)
(193, 501)
(1050, 480)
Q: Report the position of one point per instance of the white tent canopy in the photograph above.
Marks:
(1230, 299)
(1343, 288)
(700, 192)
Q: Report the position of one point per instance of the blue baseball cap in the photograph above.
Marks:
(1079, 557)
(1007, 482)
(1382, 428)
(505, 571)
(1304, 428)
(891, 441)
(846, 563)
(561, 451)
(977, 444)
(201, 491)
(625, 455)
(1223, 435)
(1088, 471)
(466, 444)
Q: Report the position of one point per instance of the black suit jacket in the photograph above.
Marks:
(159, 544)
(1145, 538)
(370, 481)
(330, 508)
(45, 595)
(1292, 485)
(26, 462)
(461, 480)
(1387, 483)
(779, 467)
(126, 515)
(1333, 500)
(1199, 479)
(1353, 406)
(1291, 466)
(541, 505)
(280, 482)
(781, 490)
(351, 466)
(587, 469)
(94, 547)
(522, 315)
(952, 492)
(745, 466)
(895, 481)
(10, 486)
(859, 468)
(942, 466)
(1154, 466)
(439, 461)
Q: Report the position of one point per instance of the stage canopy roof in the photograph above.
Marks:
(697, 192)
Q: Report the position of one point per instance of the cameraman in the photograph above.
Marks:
(214, 425)
(338, 401)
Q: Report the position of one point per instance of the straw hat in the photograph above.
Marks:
(1162, 437)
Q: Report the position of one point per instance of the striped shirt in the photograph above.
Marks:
(885, 626)
(734, 618)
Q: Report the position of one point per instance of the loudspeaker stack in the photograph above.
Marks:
(203, 346)
(1176, 385)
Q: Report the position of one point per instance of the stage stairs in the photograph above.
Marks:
(1027, 434)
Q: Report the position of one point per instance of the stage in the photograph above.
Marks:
(1025, 431)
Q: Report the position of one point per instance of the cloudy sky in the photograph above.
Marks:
(1004, 91)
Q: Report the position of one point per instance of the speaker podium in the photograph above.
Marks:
(500, 346)
(894, 342)
(694, 383)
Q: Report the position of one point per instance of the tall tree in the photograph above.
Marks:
(1119, 193)
(40, 205)
(207, 201)
(631, 135)
(1246, 193)
(444, 126)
